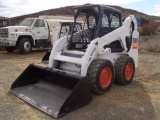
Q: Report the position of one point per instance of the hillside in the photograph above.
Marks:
(68, 11)
(2, 17)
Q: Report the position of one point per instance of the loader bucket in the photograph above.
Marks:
(46, 56)
(52, 91)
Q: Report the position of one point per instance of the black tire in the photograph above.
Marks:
(100, 83)
(25, 45)
(2, 48)
(9, 49)
(124, 70)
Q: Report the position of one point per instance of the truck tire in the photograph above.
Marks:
(2, 48)
(25, 45)
(101, 76)
(124, 70)
(9, 49)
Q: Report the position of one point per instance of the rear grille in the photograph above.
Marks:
(3, 33)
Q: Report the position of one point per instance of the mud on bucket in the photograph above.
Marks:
(54, 92)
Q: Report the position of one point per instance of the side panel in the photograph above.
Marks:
(58, 46)
(111, 57)
(55, 34)
(133, 52)
(89, 56)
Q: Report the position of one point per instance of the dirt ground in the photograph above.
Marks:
(137, 101)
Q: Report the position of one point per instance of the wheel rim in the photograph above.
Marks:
(128, 71)
(27, 46)
(105, 77)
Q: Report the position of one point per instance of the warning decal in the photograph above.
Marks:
(135, 43)
(134, 46)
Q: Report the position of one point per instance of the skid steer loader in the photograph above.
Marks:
(102, 51)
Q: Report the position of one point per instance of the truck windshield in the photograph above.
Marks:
(3, 23)
(27, 22)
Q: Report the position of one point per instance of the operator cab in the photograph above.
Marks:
(95, 21)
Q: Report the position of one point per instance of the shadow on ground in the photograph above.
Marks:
(130, 102)
(16, 55)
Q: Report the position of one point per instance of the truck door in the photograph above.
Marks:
(40, 29)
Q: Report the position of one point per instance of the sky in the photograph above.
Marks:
(12, 8)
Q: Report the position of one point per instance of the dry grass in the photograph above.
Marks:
(149, 43)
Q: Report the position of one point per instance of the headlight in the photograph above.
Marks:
(13, 35)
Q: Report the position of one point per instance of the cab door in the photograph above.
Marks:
(40, 29)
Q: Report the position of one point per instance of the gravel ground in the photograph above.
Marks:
(150, 43)
(137, 101)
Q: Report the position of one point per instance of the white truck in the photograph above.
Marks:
(33, 32)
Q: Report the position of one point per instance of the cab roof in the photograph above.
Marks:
(101, 7)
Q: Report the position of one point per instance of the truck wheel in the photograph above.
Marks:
(10, 49)
(2, 48)
(25, 46)
(101, 76)
(124, 70)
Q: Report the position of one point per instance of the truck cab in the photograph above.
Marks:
(39, 28)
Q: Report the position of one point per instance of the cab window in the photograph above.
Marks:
(105, 22)
(115, 22)
(39, 23)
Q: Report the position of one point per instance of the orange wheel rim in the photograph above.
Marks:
(128, 71)
(105, 77)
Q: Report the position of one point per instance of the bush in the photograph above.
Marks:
(148, 29)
